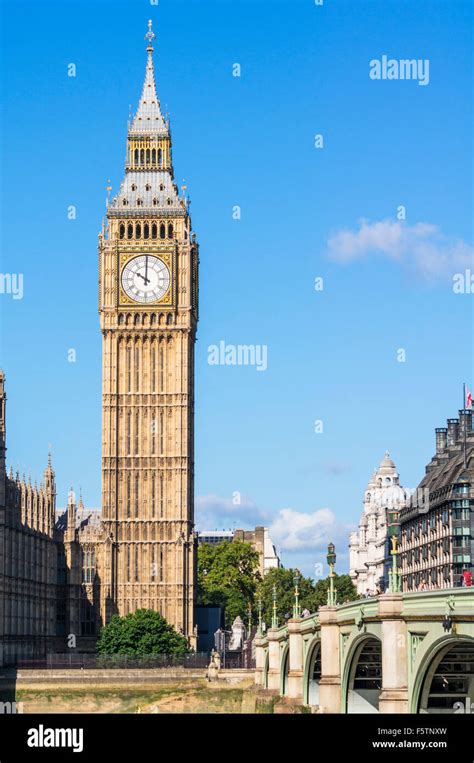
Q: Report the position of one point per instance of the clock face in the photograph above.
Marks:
(145, 278)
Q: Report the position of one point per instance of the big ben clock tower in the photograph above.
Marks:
(148, 304)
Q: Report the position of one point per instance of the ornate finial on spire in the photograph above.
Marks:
(108, 188)
(150, 36)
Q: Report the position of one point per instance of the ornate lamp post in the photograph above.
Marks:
(296, 605)
(274, 613)
(394, 577)
(259, 610)
(331, 560)
(249, 613)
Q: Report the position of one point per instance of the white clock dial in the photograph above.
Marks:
(145, 278)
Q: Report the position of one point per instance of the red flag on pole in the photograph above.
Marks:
(468, 399)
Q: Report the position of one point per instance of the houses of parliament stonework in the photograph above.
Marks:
(62, 576)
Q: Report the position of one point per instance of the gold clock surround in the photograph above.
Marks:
(167, 256)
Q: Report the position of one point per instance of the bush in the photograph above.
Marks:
(144, 632)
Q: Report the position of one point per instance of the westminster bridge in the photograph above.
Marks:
(396, 653)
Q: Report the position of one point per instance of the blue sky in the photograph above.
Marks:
(250, 141)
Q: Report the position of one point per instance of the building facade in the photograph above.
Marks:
(437, 526)
(27, 558)
(369, 547)
(148, 294)
(63, 576)
(258, 538)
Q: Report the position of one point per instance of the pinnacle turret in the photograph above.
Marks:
(148, 120)
(148, 187)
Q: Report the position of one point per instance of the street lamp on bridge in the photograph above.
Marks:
(274, 612)
(394, 576)
(331, 560)
(259, 610)
(296, 605)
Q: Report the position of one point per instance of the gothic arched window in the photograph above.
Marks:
(130, 231)
(170, 230)
(153, 368)
(148, 156)
(127, 445)
(160, 157)
(153, 155)
(136, 156)
(146, 231)
(138, 231)
(122, 230)
(153, 499)
(142, 156)
(162, 231)
(154, 230)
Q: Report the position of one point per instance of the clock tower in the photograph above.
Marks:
(148, 304)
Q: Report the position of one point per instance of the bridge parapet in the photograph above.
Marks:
(323, 649)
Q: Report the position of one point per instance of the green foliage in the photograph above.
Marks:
(344, 586)
(311, 596)
(285, 590)
(144, 632)
(228, 577)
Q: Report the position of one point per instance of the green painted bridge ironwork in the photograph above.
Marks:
(397, 653)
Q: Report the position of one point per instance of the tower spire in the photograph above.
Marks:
(150, 36)
(148, 119)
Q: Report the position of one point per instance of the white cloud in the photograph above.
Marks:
(218, 512)
(301, 538)
(296, 531)
(422, 247)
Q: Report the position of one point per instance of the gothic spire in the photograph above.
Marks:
(148, 119)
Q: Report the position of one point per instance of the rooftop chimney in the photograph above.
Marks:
(441, 440)
(465, 422)
(453, 432)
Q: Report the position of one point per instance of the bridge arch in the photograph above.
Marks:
(445, 676)
(284, 670)
(266, 666)
(312, 673)
(362, 677)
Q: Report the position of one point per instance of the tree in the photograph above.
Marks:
(227, 577)
(344, 586)
(285, 591)
(144, 632)
(311, 596)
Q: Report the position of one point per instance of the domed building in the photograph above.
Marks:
(369, 546)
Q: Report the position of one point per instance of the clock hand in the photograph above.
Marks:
(146, 268)
(145, 279)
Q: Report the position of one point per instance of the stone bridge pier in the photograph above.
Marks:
(380, 655)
